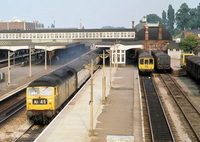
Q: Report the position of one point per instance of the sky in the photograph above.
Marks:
(94, 13)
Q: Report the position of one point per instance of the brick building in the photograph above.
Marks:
(18, 24)
(153, 36)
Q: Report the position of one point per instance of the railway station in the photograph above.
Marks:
(97, 85)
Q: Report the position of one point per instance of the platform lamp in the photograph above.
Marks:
(9, 68)
(31, 50)
(104, 56)
(91, 69)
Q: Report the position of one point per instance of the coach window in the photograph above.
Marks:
(151, 61)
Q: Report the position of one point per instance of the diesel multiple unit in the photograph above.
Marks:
(145, 62)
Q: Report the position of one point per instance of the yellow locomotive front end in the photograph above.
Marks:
(40, 102)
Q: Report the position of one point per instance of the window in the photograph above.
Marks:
(151, 61)
(33, 91)
(146, 62)
(141, 61)
(177, 49)
(46, 91)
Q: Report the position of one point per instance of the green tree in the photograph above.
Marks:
(52, 26)
(164, 19)
(153, 18)
(171, 19)
(183, 16)
(189, 43)
(198, 16)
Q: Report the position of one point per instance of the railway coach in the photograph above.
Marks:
(193, 66)
(162, 61)
(145, 62)
(46, 95)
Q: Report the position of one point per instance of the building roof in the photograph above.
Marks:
(192, 31)
(174, 45)
(153, 34)
(66, 30)
(112, 42)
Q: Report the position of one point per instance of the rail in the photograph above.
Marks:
(191, 114)
(159, 125)
(12, 109)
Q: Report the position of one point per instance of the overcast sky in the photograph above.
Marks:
(94, 13)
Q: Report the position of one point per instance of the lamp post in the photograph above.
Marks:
(104, 77)
(9, 68)
(30, 52)
(90, 68)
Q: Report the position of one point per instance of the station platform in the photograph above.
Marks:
(19, 78)
(120, 117)
(176, 69)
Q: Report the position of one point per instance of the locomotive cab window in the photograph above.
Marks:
(151, 61)
(47, 91)
(146, 62)
(33, 91)
(141, 61)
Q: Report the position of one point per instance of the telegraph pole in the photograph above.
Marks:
(90, 68)
(104, 77)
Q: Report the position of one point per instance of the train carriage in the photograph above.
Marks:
(162, 61)
(193, 66)
(145, 62)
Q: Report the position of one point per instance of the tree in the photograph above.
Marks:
(171, 19)
(164, 19)
(183, 16)
(52, 26)
(153, 18)
(189, 43)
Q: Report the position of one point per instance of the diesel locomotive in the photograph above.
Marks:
(45, 95)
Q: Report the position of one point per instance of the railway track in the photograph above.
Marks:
(159, 126)
(12, 109)
(31, 133)
(191, 114)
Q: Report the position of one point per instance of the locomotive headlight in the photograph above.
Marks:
(50, 101)
(29, 101)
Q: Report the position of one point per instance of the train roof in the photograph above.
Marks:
(53, 79)
(143, 53)
(194, 59)
(159, 53)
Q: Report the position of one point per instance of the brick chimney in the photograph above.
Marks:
(132, 24)
(160, 32)
(146, 33)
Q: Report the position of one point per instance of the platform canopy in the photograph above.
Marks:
(47, 46)
(120, 45)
